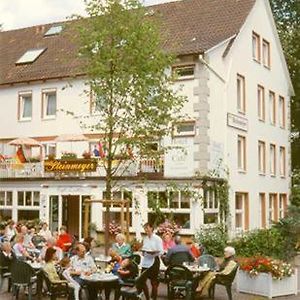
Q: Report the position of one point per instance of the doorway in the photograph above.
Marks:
(71, 213)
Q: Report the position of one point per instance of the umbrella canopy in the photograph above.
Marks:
(70, 138)
(25, 141)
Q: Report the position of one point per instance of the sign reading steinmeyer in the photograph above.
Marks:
(237, 122)
(76, 165)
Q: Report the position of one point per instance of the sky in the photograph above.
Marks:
(24, 13)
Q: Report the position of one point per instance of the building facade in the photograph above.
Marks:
(231, 68)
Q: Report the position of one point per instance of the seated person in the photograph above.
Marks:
(114, 263)
(19, 249)
(10, 231)
(45, 232)
(6, 256)
(225, 268)
(64, 240)
(168, 241)
(178, 254)
(194, 249)
(120, 247)
(51, 243)
(82, 264)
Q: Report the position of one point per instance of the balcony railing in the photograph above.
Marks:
(13, 169)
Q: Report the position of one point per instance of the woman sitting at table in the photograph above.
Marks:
(225, 268)
(64, 240)
(19, 248)
(120, 247)
(168, 241)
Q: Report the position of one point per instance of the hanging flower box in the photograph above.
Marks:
(265, 285)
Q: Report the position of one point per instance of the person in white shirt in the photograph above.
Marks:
(10, 231)
(152, 249)
(45, 232)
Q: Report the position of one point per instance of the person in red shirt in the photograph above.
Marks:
(64, 240)
(194, 249)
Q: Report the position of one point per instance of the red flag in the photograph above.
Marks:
(101, 150)
(20, 155)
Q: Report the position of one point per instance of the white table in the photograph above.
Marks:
(100, 277)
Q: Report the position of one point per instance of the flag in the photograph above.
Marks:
(20, 156)
(101, 150)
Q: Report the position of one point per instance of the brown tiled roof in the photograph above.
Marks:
(192, 26)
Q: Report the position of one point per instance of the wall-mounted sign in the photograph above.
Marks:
(76, 165)
(237, 122)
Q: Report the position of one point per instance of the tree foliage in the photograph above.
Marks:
(287, 17)
(127, 72)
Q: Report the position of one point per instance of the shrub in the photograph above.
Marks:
(214, 239)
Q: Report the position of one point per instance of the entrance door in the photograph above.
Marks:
(70, 213)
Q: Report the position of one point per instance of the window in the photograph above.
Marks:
(175, 205)
(241, 211)
(50, 149)
(49, 104)
(273, 208)
(241, 94)
(241, 149)
(210, 207)
(184, 72)
(272, 159)
(53, 30)
(272, 105)
(263, 216)
(281, 112)
(5, 198)
(261, 106)
(30, 56)
(184, 129)
(266, 53)
(29, 198)
(256, 46)
(25, 106)
(261, 157)
(282, 205)
(282, 161)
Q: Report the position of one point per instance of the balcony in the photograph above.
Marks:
(142, 166)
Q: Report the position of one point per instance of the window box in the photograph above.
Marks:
(264, 285)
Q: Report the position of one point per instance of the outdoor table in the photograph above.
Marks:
(37, 267)
(102, 258)
(100, 277)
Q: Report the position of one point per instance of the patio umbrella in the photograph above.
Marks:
(25, 141)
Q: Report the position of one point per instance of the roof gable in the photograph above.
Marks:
(192, 26)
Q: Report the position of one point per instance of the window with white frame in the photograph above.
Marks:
(261, 106)
(115, 209)
(49, 149)
(256, 46)
(272, 106)
(281, 112)
(241, 211)
(241, 153)
(266, 53)
(6, 198)
(49, 104)
(282, 158)
(282, 205)
(272, 159)
(28, 198)
(25, 106)
(184, 72)
(241, 93)
(261, 157)
(273, 208)
(210, 207)
(263, 216)
(186, 128)
(174, 205)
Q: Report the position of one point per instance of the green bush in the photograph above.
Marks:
(214, 239)
(262, 242)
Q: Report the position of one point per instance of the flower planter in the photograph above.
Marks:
(263, 284)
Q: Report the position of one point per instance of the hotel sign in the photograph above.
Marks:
(237, 122)
(75, 165)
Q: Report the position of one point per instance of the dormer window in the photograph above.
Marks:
(30, 56)
(54, 30)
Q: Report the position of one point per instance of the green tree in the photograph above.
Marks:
(287, 17)
(130, 79)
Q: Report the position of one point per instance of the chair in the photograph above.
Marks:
(136, 258)
(134, 292)
(208, 260)
(22, 276)
(225, 280)
(179, 282)
(37, 241)
(5, 274)
(179, 258)
(54, 290)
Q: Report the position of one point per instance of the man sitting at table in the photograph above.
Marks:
(19, 249)
(82, 264)
(6, 257)
(178, 254)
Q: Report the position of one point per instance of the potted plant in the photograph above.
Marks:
(266, 277)
(168, 226)
(68, 155)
